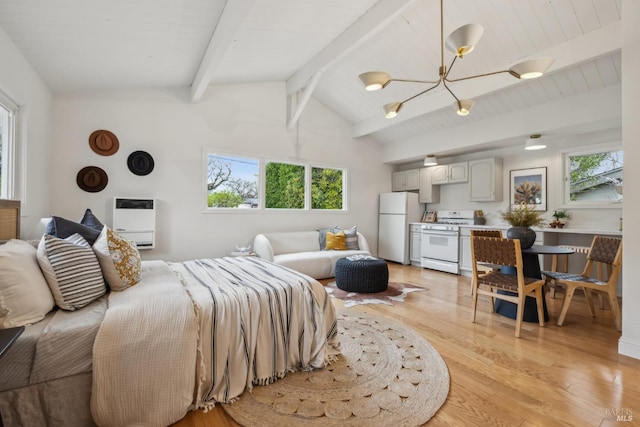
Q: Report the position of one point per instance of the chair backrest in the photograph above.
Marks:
(9, 219)
(605, 250)
(486, 233)
(493, 250)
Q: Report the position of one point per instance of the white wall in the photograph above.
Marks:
(629, 343)
(20, 83)
(246, 119)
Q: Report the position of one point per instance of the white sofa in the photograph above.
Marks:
(300, 251)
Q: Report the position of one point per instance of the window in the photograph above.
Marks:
(7, 144)
(284, 186)
(232, 182)
(327, 188)
(594, 177)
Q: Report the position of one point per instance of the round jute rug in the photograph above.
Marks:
(386, 375)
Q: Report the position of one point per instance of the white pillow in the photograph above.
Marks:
(119, 259)
(25, 297)
(71, 270)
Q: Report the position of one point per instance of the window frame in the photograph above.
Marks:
(566, 169)
(262, 161)
(9, 149)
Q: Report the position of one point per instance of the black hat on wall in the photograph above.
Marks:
(140, 163)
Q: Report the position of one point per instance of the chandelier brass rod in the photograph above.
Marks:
(442, 34)
(414, 81)
(423, 92)
(482, 75)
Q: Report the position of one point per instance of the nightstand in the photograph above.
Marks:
(8, 337)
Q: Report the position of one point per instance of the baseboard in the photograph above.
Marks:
(630, 349)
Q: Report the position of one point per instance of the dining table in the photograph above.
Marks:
(530, 268)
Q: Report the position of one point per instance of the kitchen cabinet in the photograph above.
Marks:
(408, 180)
(450, 174)
(415, 231)
(428, 192)
(485, 180)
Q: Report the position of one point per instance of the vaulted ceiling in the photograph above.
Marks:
(319, 47)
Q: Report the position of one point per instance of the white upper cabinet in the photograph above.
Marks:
(450, 174)
(413, 179)
(428, 192)
(408, 180)
(399, 181)
(485, 180)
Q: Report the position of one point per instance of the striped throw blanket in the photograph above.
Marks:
(194, 333)
(258, 321)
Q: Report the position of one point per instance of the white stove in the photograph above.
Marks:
(439, 243)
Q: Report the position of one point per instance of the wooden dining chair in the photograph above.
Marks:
(608, 252)
(484, 233)
(503, 252)
(560, 263)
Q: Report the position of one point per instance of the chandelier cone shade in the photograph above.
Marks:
(464, 39)
(460, 42)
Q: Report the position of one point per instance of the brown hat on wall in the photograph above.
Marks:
(92, 179)
(104, 142)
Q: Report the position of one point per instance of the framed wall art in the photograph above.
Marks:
(529, 186)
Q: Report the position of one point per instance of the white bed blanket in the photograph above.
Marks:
(145, 352)
(199, 332)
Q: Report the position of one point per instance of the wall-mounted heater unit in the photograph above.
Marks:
(135, 220)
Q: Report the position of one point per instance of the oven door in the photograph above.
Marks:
(440, 245)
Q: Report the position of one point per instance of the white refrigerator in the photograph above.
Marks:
(397, 211)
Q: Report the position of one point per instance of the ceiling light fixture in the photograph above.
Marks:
(534, 143)
(430, 160)
(460, 42)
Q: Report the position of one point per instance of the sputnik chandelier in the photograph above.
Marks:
(460, 42)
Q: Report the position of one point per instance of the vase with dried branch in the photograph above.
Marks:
(522, 218)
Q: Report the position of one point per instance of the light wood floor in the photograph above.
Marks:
(556, 375)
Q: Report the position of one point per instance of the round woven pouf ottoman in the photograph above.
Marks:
(362, 274)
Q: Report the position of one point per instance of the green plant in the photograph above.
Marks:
(561, 213)
(522, 216)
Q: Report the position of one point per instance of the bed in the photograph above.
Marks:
(187, 335)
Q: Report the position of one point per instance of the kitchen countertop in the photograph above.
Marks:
(545, 229)
(552, 230)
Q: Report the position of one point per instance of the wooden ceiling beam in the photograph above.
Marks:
(232, 16)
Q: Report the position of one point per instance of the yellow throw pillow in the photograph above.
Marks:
(336, 241)
(119, 259)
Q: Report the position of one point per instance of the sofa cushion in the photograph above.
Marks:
(315, 264)
(292, 242)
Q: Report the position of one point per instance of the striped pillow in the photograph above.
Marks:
(351, 238)
(72, 271)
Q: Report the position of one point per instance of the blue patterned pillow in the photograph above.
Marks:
(63, 228)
